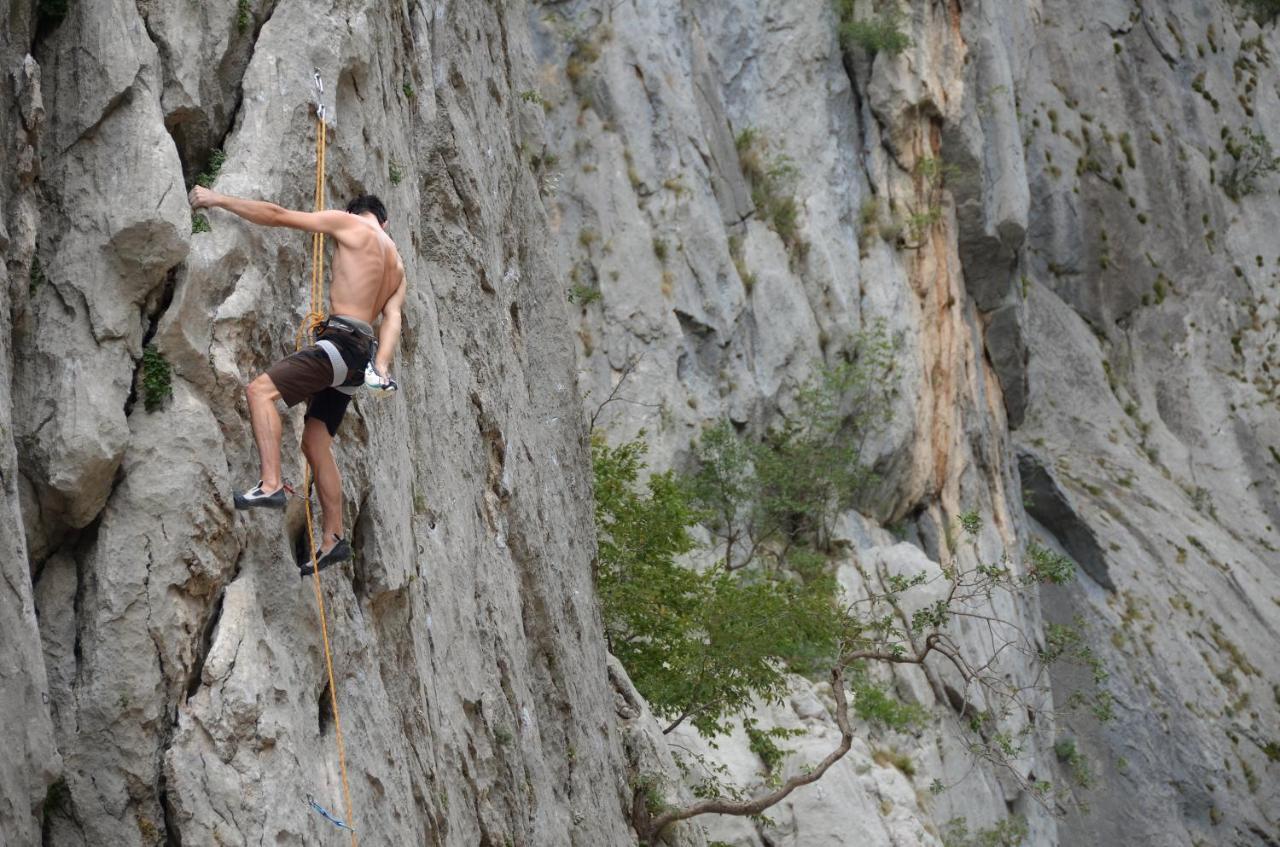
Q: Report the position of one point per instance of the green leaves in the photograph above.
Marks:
(877, 34)
(210, 173)
(780, 495)
(1044, 565)
(156, 379)
(698, 646)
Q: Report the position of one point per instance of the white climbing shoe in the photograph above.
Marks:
(257, 498)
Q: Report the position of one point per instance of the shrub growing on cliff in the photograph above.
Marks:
(699, 646)
(1263, 10)
(772, 178)
(212, 168)
(1010, 832)
(157, 386)
(776, 498)
(1254, 159)
(881, 33)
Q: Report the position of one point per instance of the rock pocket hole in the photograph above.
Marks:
(325, 710)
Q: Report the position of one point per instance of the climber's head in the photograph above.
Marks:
(367, 204)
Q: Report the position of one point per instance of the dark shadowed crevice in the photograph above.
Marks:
(172, 832)
(154, 312)
(362, 531)
(206, 643)
(1052, 507)
(191, 128)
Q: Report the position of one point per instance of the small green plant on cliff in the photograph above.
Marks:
(36, 277)
(57, 799)
(1069, 754)
(880, 33)
(394, 172)
(157, 386)
(1254, 159)
(244, 15)
(584, 295)
(1010, 832)
(199, 223)
(212, 168)
(772, 178)
(1262, 10)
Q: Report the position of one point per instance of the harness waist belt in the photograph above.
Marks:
(350, 325)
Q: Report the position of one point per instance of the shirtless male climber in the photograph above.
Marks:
(368, 280)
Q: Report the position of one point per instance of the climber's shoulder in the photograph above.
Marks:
(329, 222)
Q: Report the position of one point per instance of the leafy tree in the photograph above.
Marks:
(701, 646)
(777, 498)
(698, 645)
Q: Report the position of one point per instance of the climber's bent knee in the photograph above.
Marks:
(262, 388)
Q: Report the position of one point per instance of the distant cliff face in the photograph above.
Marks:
(1086, 315)
(1048, 206)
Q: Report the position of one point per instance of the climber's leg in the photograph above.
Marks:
(292, 379)
(317, 446)
(266, 428)
(265, 419)
(324, 413)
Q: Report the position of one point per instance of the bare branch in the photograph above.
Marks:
(613, 395)
(721, 806)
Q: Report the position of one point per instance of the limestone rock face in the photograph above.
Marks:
(1046, 206)
(164, 679)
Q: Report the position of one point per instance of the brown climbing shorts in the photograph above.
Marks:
(328, 372)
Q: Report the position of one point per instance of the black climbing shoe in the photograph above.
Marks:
(257, 498)
(339, 552)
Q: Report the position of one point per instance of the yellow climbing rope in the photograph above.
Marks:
(307, 333)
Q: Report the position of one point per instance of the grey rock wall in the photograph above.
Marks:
(164, 681)
(1086, 335)
(1085, 332)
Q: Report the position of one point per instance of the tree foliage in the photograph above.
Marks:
(698, 645)
(776, 499)
(879, 33)
(702, 645)
(1254, 158)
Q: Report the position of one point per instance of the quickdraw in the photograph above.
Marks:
(327, 815)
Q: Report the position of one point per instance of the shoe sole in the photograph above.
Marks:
(330, 558)
(259, 502)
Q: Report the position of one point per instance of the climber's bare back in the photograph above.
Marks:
(366, 270)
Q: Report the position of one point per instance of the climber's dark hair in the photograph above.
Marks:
(368, 203)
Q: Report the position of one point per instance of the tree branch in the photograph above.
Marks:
(613, 395)
(721, 806)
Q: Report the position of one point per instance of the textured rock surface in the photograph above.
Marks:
(185, 683)
(1089, 305)
(1086, 331)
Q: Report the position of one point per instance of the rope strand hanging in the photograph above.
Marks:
(306, 333)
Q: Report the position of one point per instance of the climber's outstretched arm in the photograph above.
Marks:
(389, 330)
(329, 222)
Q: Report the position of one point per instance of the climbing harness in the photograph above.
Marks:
(315, 317)
(327, 815)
